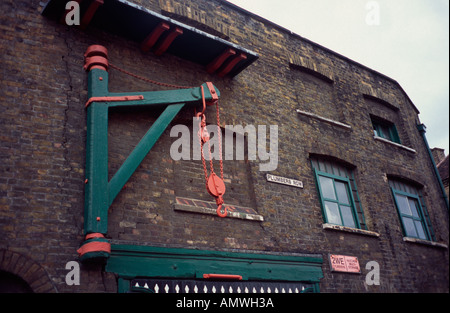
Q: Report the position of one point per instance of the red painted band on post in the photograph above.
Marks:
(96, 60)
(94, 246)
(98, 50)
(94, 235)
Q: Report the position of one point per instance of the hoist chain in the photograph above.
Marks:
(147, 79)
(214, 185)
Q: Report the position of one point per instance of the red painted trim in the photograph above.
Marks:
(94, 246)
(94, 235)
(222, 276)
(97, 61)
(218, 61)
(151, 39)
(232, 64)
(212, 91)
(164, 45)
(111, 99)
(87, 17)
(96, 50)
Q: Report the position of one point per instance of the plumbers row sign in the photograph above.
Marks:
(284, 181)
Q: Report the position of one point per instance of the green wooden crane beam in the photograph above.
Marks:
(99, 192)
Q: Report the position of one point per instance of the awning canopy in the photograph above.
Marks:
(158, 33)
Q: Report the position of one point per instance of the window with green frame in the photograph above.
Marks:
(385, 130)
(412, 211)
(338, 194)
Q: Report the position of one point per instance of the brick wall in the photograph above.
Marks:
(43, 133)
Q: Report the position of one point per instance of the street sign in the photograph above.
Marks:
(344, 263)
(284, 181)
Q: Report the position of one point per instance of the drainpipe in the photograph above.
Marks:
(422, 129)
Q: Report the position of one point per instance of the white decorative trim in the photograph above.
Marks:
(350, 230)
(395, 144)
(425, 242)
(324, 119)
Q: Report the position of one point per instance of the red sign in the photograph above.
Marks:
(344, 263)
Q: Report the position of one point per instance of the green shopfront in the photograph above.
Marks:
(170, 270)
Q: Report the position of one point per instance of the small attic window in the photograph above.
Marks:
(385, 129)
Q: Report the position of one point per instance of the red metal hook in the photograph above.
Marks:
(219, 211)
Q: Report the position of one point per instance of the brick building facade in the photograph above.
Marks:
(442, 165)
(351, 135)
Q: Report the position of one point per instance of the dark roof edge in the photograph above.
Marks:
(266, 21)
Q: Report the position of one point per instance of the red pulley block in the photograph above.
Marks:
(216, 186)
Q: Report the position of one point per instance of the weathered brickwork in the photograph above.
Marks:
(43, 139)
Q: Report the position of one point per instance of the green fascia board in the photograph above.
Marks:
(129, 261)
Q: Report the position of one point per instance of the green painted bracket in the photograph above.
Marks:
(99, 192)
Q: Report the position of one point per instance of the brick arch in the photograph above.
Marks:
(27, 269)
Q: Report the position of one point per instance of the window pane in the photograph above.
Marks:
(403, 204)
(347, 216)
(375, 131)
(409, 227)
(326, 186)
(394, 134)
(385, 132)
(332, 212)
(380, 131)
(420, 230)
(413, 205)
(341, 190)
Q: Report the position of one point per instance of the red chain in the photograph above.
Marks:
(202, 124)
(219, 132)
(147, 79)
(201, 134)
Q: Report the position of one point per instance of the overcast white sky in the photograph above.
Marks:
(410, 43)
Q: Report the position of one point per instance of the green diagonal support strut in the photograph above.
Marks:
(99, 192)
(141, 150)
